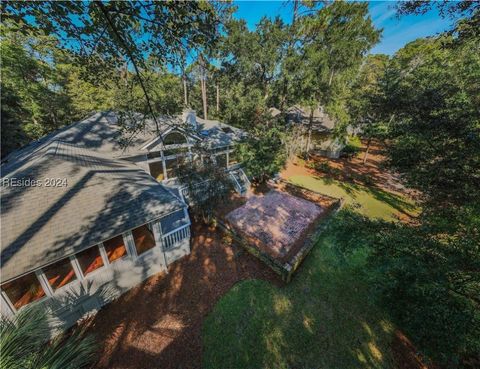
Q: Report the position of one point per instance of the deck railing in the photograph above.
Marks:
(176, 236)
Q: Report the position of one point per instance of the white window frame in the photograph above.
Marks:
(10, 304)
(96, 271)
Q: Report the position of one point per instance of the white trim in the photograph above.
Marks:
(103, 254)
(8, 303)
(176, 230)
(130, 243)
(42, 278)
(76, 268)
(158, 235)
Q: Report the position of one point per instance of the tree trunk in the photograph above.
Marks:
(331, 78)
(295, 11)
(366, 150)
(310, 126)
(185, 94)
(218, 98)
(203, 85)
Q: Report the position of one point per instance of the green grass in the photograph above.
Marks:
(326, 317)
(323, 319)
(371, 202)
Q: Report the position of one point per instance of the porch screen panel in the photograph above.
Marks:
(115, 248)
(23, 290)
(156, 170)
(144, 239)
(89, 260)
(60, 274)
(233, 157)
(173, 221)
(221, 160)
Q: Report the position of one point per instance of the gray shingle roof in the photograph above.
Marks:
(103, 198)
(321, 120)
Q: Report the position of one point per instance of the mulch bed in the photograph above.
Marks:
(158, 323)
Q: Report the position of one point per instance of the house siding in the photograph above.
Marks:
(83, 297)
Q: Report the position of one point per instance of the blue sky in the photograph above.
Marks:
(396, 32)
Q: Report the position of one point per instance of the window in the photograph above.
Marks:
(221, 160)
(143, 238)
(175, 151)
(233, 157)
(23, 290)
(115, 248)
(156, 170)
(89, 260)
(60, 274)
(174, 138)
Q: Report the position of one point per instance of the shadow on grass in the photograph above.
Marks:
(397, 202)
(324, 318)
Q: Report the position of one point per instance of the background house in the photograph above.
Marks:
(323, 141)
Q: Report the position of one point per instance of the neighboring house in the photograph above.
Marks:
(321, 121)
(82, 220)
(323, 126)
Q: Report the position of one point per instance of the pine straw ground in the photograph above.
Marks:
(162, 322)
(219, 307)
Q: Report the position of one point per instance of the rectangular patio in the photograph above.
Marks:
(278, 226)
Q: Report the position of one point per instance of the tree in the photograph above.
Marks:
(367, 100)
(432, 89)
(103, 36)
(207, 184)
(25, 344)
(263, 153)
(334, 41)
(432, 269)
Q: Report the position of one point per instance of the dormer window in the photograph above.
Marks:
(174, 138)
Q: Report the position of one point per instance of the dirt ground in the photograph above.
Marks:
(353, 170)
(158, 323)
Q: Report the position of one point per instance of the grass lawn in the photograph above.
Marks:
(325, 318)
(372, 202)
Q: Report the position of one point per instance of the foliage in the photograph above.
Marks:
(25, 344)
(334, 42)
(262, 154)
(352, 146)
(324, 318)
(207, 184)
(435, 275)
(432, 89)
(366, 105)
(107, 41)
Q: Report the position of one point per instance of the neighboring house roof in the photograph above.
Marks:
(322, 122)
(274, 112)
(331, 145)
(103, 197)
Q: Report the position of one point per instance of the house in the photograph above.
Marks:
(84, 219)
(322, 128)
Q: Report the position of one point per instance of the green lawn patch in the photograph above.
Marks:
(370, 201)
(323, 319)
(326, 317)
